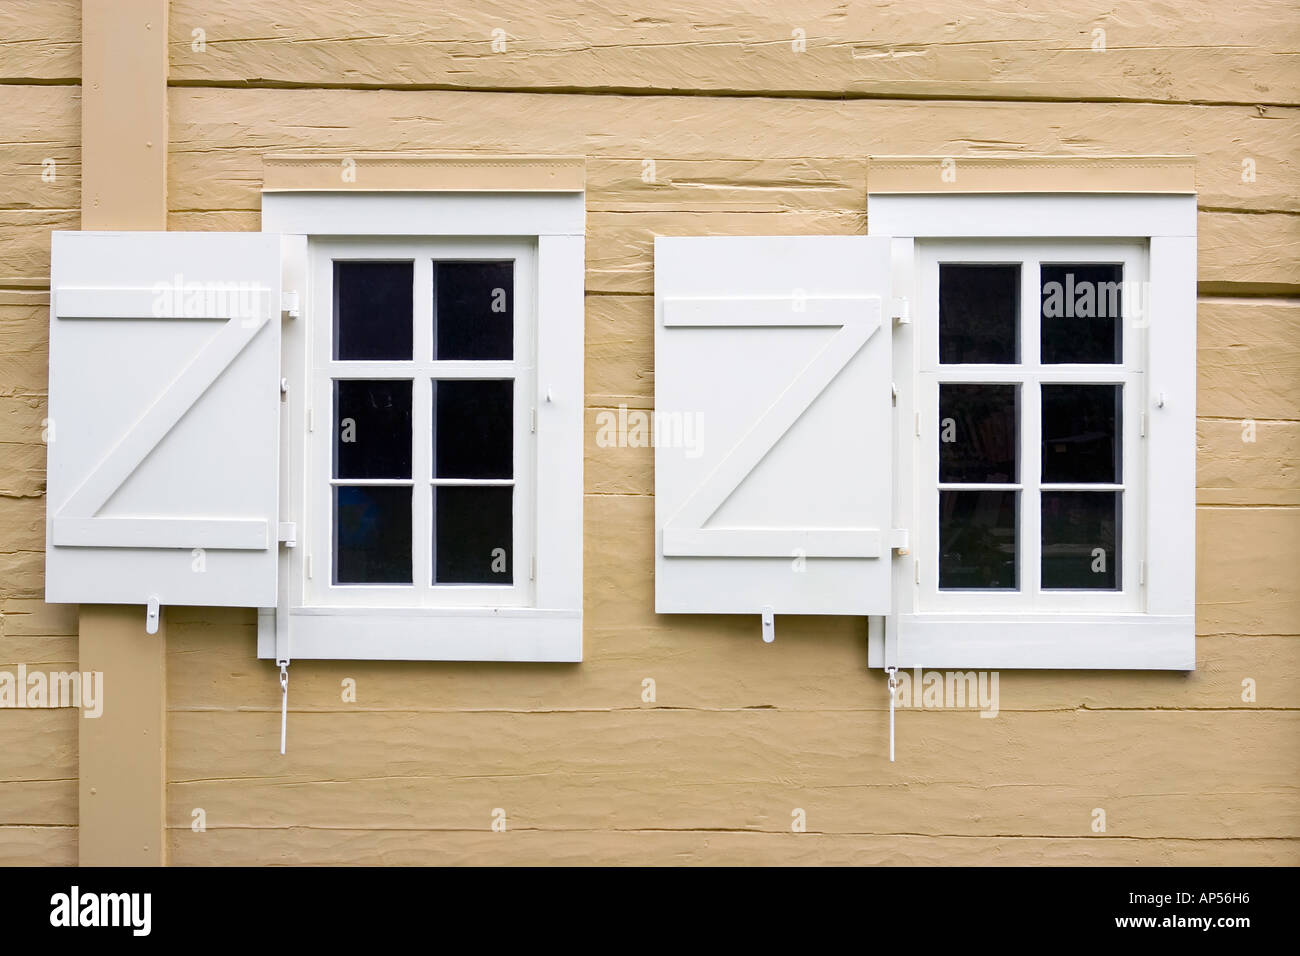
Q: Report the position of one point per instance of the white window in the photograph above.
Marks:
(365, 421)
(1056, 527)
(975, 426)
(434, 453)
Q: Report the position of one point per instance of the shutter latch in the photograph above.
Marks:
(769, 624)
(289, 533)
(898, 541)
(151, 615)
(289, 304)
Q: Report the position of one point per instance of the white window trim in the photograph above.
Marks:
(1161, 637)
(551, 628)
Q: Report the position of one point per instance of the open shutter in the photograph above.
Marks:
(773, 425)
(164, 418)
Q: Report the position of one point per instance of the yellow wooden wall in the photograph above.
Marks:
(747, 136)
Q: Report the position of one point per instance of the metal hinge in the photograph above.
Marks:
(898, 541)
(310, 421)
(1142, 425)
(532, 419)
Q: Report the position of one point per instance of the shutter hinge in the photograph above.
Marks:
(899, 312)
(917, 419)
(532, 568)
(893, 393)
(1142, 425)
(308, 566)
(532, 419)
(1142, 572)
(898, 541)
(310, 421)
(289, 304)
(289, 533)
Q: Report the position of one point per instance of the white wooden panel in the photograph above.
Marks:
(1033, 215)
(771, 350)
(427, 634)
(164, 406)
(424, 214)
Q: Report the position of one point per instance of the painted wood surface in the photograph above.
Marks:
(739, 734)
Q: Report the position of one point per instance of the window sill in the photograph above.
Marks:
(426, 634)
(1042, 642)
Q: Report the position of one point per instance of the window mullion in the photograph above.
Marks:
(422, 516)
(1031, 428)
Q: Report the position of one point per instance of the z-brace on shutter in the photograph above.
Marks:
(773, 425)
(163, 469)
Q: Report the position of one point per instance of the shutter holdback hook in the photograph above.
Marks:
(284, 701)
(893, 696)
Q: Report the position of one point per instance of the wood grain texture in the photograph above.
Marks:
(41, 41)
(696, 662)
(1161, 52)
(38, 845)
(297, 846)
(773, 148)
(704, 770)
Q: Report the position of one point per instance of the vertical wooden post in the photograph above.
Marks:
(122, 770)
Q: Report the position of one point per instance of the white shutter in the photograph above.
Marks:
(164, 418)
(773, 425)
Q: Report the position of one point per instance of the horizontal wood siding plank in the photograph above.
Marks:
(1155, 52)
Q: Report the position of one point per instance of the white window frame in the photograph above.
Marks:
(317, 538)
(546, 623)
(1159, 631)
(1028, 374)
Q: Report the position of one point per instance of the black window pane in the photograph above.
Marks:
(1081, 429)
(977, 539)
(473, 535)
(1082, 307)
(372, 535)
(979, 314)
(372, 310)
(372, 429)
(474, 308)
(1081, 537)
(977, 433)
(473, 428)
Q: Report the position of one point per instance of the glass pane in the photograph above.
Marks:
(1081, 309)
(473, 428)
(977, 539)
(372, 535)
(473, 535)
(474, 310)
(372, 429)
(1081, 537)
(979, 314)
(372, 310)
(978, 426)
(1081, 429)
